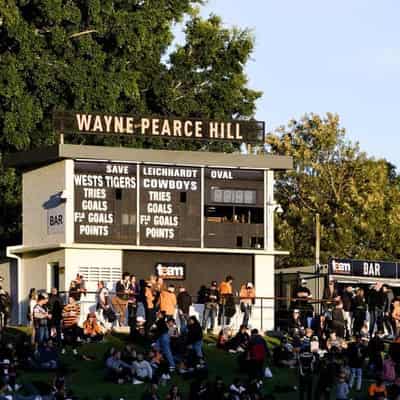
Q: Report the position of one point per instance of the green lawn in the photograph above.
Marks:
(86, 377)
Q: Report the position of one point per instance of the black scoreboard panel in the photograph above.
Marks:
(170, 203)
(162, 204)
(234, 208)
(105, 202)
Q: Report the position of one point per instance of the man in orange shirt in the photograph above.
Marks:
(225, 286)
(225, 290)
(168, 301)
(247, 296)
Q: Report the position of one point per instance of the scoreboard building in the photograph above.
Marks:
(190, 217)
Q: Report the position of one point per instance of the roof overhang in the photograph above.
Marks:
(44, 156)
(20, 250)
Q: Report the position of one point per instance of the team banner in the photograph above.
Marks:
(161, 127)
(364, 268)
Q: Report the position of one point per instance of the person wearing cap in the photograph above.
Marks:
(211, 299)
(41, 317)
(247, 295)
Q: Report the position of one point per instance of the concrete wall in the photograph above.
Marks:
(39, 197)
(9, 273)
(94, 265)
(264, 310)
(201, 268)
(36, 273)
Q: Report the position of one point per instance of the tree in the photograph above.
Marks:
(356, 196)
(107, 55)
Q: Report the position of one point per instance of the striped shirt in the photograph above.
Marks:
(70, 315)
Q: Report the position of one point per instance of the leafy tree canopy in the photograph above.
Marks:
(356, 196)
(109, 55)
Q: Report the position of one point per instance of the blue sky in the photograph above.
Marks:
(341, 56)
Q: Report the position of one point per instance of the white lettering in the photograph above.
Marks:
(84, 122)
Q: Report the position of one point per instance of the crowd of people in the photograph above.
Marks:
(351, 335)
(347, 344)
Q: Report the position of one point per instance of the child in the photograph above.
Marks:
(342, 388)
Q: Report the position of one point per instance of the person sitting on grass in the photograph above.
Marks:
(236, 390)
(224, 336)
(48, 357)
(283, 355)
(117, 370)
(174, 393)
(128, 354)
(218, 389)
(240, 341)
(335, 342)
(342, 388)
(92, 331)
(377, 390)
(142, 370)
(151, 393)
(159, 365)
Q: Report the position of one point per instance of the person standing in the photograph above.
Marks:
(375, 308)
(195, 337)
(330, 297)
(360, 309)
(32, 297)
(356, 354)
(387, 321)
(168, 301)
(348, 306)
(55, 309)
(77, 288)
(132, 303)
(247, 295)
(306, 373)
(338, 321)
(120, 300)
(5, 306)
(150, 306)
(40, 319)
(184, 301)
(103, 303)
(70, 315)
(163, 339)
(257, 355)
(211, 300)
(225, 290)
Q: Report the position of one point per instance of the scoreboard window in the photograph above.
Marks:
(233, 196)
(234, 214)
